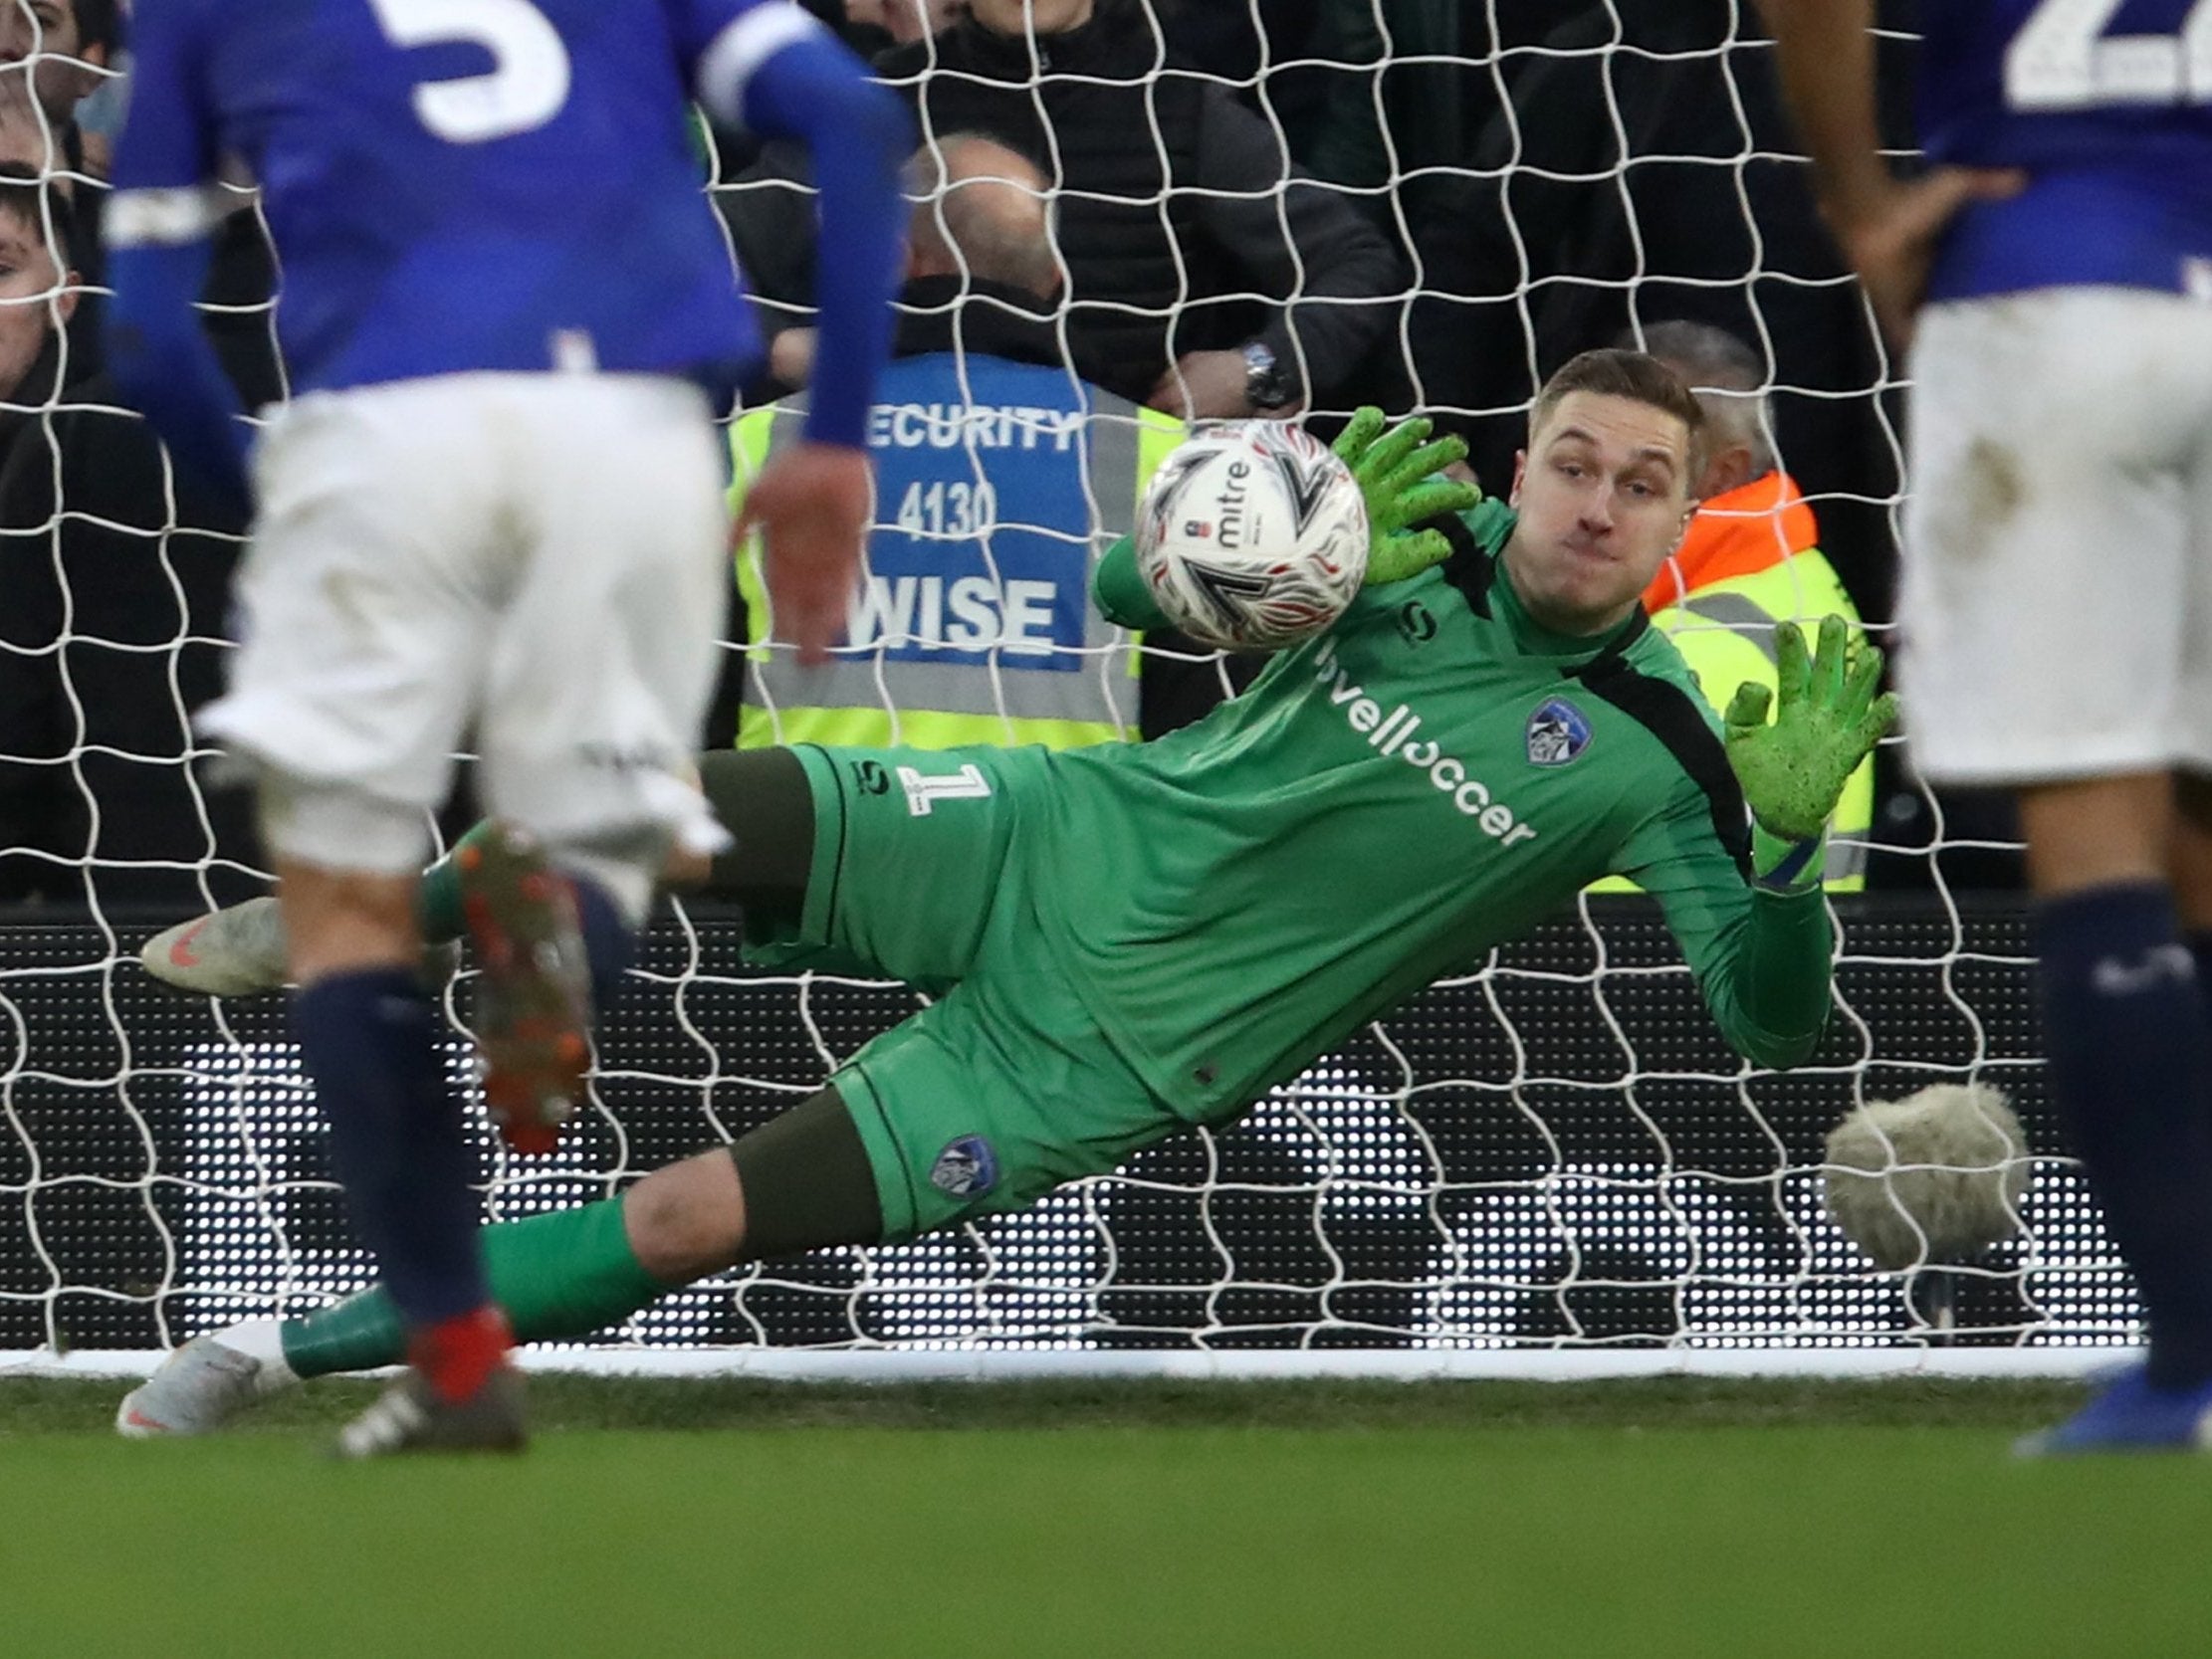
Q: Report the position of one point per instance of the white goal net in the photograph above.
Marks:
(1551, 1154)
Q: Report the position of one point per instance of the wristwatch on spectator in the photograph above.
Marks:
(1266, 381)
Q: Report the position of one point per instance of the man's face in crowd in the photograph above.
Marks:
(49, 28)
(29, 277)
(1604, 496)
(1045, 16)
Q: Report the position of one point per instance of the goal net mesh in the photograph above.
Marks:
(1553, 1151)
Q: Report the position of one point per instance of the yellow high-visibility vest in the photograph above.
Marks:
(998, 485)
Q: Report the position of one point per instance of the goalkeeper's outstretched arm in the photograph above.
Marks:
(1747, 908)
(1760, 956)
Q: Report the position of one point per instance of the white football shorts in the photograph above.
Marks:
(2056, 604)
(535, 566)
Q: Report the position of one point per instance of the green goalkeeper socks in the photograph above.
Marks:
(438, 898)
(565, 1274)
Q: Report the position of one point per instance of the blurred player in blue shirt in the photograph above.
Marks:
(2054, 271)
(490, 515)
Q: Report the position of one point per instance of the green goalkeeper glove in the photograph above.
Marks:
(1393, 470)
(1793, 771)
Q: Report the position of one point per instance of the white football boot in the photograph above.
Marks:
(200, 1389)
(238, 950)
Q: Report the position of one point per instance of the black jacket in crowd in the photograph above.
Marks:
(1173, 211)
(115, 583)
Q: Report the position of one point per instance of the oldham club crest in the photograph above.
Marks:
(1557, 732)
(967, 1168)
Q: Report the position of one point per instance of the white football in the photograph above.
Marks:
(1930, 1178)
(1252, 535)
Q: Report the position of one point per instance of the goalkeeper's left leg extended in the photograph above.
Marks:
(799, 1182)
(960, 1112)
(927, 1137)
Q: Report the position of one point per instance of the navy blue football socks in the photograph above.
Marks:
(609, 941)
(2129, 1045)
(369, 1041)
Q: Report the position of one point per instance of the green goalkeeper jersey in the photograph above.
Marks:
(1387, 802)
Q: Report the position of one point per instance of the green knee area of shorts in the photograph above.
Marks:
(964, 1116)
(1003, 1087)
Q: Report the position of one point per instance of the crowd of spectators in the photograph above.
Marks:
(1277, 210)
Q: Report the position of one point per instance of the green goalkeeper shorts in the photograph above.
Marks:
(1003, 1087)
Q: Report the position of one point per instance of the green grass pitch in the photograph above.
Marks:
(1349, 1519)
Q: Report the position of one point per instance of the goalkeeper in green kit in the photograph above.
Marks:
(1129, 940)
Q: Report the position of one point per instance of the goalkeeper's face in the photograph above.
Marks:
(1602, 491)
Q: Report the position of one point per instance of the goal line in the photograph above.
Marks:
(986, 1365)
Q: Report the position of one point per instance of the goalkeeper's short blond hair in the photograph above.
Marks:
(1612, 372)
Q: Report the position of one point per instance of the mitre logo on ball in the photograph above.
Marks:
(1252, 535)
